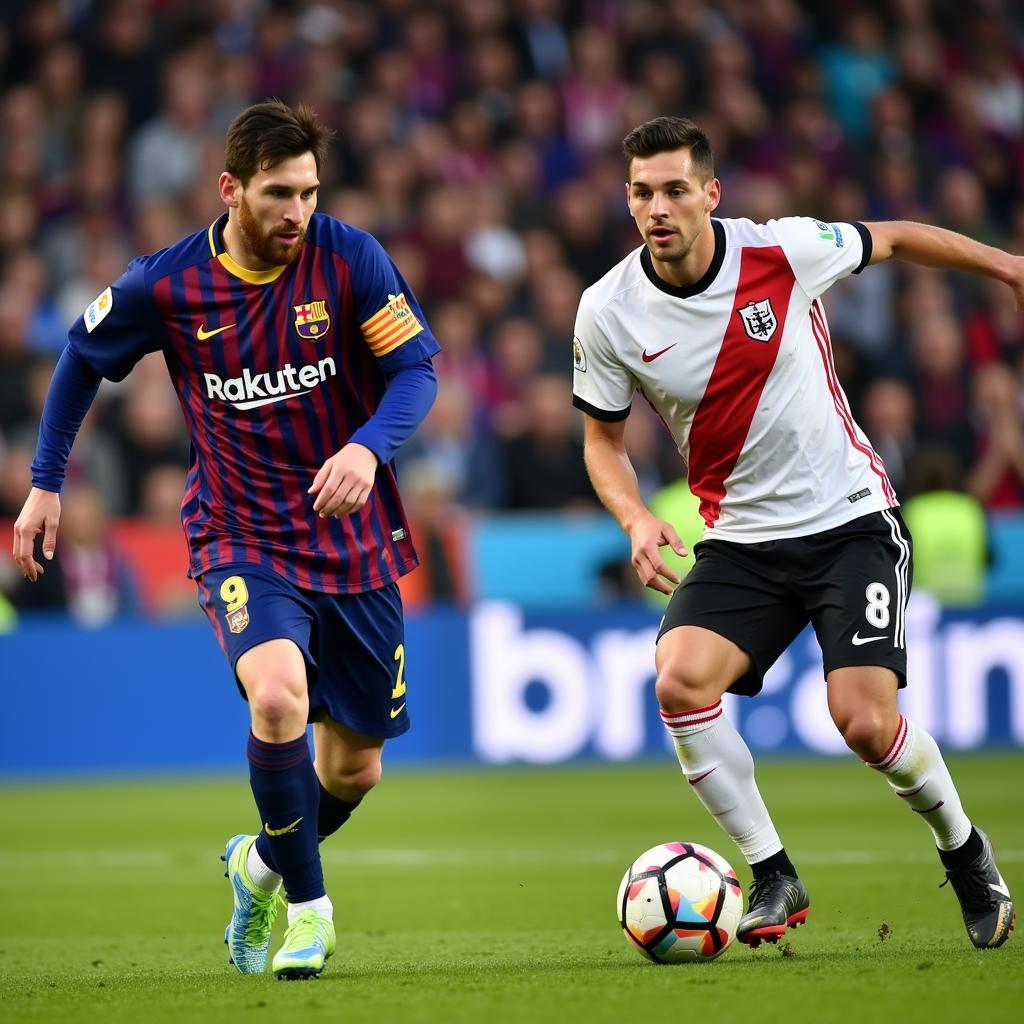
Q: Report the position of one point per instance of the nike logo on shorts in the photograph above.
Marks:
(395, 712)
(859, 640)
(654, 355)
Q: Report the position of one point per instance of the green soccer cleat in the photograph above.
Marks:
(247, 936)
(308, 943)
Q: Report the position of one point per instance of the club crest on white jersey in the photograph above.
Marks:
(759, 320)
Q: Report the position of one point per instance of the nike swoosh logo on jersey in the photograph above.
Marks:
(859, 640)
(280, 831)
(654, 355)
(202, 333)
(395, 712)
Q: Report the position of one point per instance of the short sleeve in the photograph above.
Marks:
(387, 311)
(820, 253)
(601, 385)
(119, 326)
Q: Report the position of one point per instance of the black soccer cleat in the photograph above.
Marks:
(776, 902)
(984, 898)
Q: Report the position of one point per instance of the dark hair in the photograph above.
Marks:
(662, 135)
(267, 133)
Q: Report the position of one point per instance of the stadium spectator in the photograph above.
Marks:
(148, 431)
(16, 311)
(940, 383)
(890, 419)
(166, 151)
(543, 466)
(436, 521)
(455, 446)
(997, 476)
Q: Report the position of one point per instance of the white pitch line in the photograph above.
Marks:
(121, 859)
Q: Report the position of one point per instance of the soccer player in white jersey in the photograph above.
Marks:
(719, 324)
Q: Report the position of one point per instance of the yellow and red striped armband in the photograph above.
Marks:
(391, 326)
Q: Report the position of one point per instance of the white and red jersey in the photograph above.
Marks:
(739, 367)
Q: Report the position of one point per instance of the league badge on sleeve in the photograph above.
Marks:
(312, 321)
(98, 309)
(759, 320)
(579, 357)
(830, 233)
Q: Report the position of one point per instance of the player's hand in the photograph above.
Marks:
(648, 536)
(40, 514)
(344, 481)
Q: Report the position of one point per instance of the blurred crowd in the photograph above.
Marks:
(479, 141)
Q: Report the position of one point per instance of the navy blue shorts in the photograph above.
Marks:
(354, 644)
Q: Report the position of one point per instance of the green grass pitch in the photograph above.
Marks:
(489, 896)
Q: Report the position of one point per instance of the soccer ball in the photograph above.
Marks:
(680, 903)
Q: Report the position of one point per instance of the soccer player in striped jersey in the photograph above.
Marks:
(302, 362)
(719, 325)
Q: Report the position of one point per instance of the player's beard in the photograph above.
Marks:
(267, 246)
(676, 254)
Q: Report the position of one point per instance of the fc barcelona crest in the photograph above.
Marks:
(759, 320)
(238, 620)
(312, 320)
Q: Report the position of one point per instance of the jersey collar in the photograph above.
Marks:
(698, 286)
(215, 234)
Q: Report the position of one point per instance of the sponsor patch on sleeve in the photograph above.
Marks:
(98, 309)
(829, 233)
(579, 356)
(392, 325)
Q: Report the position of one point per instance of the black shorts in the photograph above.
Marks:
(851, 583)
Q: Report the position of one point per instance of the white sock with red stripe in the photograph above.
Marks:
(718, 765)
(914, 768)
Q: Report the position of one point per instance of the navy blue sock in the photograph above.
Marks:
(287, 792)
(332, 814)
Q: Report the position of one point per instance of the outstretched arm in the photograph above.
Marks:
(932, 246)
(72, 390)
(615, 482)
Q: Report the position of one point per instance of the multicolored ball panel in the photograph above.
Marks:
(679, 903)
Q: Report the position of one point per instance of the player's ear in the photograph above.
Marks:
(714, 194)
(229, 187)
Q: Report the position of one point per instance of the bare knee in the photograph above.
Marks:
(862, 702)
(278, 705)
(352, 781)
(361, 779)
(868, 732)
(684, 683)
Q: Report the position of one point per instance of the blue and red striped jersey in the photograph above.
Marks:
(275, 371)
